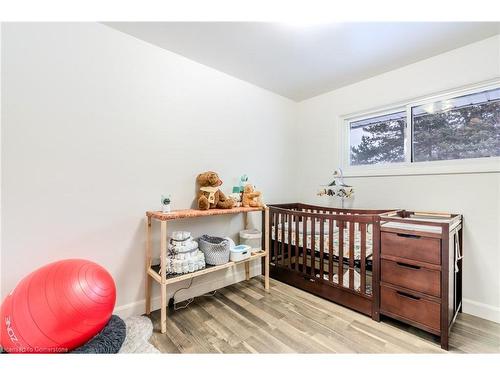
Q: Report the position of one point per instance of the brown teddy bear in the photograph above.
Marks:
(210, 196)
(251, 197)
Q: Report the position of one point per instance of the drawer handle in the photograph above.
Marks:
(406, 265)
(407, 235)
(407, 295)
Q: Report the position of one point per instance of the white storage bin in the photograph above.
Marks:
(252, 238)
(240, 252)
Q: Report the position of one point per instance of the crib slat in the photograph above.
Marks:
(321, 246)
(297, 234)
(290, 220)
(275, 247)
(351, 255)
(271, 235)
(362, 228)
(330, 250)
(313, 246)
(283, 223)
(341, 253)
(304, 244)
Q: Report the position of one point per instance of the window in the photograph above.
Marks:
(463, 125)
(461, 128)
(378, 139)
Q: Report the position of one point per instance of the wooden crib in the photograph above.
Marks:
(330, 252)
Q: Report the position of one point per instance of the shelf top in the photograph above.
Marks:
(190, 213)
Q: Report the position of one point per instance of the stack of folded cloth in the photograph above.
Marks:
(183, 255)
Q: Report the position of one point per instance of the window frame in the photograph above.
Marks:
(408, 167)
(373, 115)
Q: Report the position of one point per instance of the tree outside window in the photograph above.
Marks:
(465, 127)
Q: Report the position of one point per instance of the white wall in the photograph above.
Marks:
(475, 196)
(97, 125)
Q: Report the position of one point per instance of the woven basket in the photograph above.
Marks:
(216, 249)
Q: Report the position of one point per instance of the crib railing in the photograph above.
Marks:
(295, 230)
(309, 208)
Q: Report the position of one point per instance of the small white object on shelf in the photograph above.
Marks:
(240, 252)
(165, 203)
(252, 238)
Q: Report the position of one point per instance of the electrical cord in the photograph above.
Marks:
(187, 287)
(190, 300)
(185, 305)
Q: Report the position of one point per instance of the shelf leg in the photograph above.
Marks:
(163, 272)
(148, 266)
(246, 223)
(247, 270)
(163, 308)
(266, 245)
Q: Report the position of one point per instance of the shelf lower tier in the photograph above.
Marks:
(153, 271)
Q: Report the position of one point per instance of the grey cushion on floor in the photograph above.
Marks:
(131, 336)
(108, 341)
(139, 331)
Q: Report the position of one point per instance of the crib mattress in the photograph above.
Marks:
(345, 281)
(326, 239)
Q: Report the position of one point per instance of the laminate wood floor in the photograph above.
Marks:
(243, 318)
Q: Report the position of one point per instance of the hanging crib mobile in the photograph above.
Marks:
(337, 188)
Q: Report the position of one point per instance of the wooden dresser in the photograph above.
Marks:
(421, 270)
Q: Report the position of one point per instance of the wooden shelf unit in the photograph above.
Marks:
(164, 280)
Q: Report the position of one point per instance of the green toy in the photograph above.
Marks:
(242, 183)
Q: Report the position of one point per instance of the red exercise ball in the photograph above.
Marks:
(57, 307)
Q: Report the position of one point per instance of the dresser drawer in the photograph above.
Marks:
(423, 249)
(420, 279)
(411, 307)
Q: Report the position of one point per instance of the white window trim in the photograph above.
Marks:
(479, 165)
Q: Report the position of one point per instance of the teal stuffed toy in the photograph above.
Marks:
(238, 190)
(243, 182)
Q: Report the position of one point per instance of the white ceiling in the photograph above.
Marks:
(300, 61)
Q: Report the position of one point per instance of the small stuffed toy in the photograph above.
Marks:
(251, 197)
(236, 197)
(243, 182)
(210, 195)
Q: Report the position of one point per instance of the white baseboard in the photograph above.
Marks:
(481, 310)
(201, 285)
